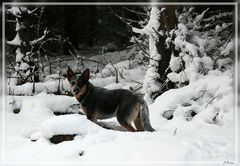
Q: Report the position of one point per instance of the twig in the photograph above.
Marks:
(137, 88)
(123, 18)
(136, 81)
(211, 101)
(49, 62)
(17, 16)
(12, 21)
(136, 12)
(116, 71)
(83, 58)
(204, 91)
(121, 74)
(33, 90)
(36, 41)
(156, 31)
(149, 58)
(59, 82)
(39, 20)
(9, 90)
(14, 68)
(13, 77)
(141, 46)
(31, 11)
(40, 58)
(70, 51)
(230, 37)
(72, 47)
(175, 131)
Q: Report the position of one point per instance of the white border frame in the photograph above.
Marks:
(4, 4)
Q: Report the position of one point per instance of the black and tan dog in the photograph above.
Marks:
(101, 103)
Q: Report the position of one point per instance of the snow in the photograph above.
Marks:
(109, 70)
(182, 29)
(227, 49)
(19, 55)
(210, 86)
(223, 62)
(68, 124)
(201, 44)
(17, 41)
(168, 41)
(191, 48)
(211, 43)
(13, 81)
(153, 22)
(175, 63)
(114, 86)
(23, 66)
(218, 28)
(27, 88)
(184, 138)
(207, 63)
(199, 17)
(17, 10)
(51, 85)
(174, 77)
(224, 26)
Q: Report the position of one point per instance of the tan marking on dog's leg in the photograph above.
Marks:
(84, 110)
(135, 112)
(129, 127)
(135, 117)
(126, 122)
(94, 117)
(138, 124)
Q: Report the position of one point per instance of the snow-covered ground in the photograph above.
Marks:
(205, 136)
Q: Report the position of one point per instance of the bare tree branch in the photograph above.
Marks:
(136, 12)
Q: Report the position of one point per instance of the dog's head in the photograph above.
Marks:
(78, 83)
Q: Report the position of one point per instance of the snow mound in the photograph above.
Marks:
(68, 124)
(205, 100)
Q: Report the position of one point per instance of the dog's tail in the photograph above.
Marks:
(144, 116)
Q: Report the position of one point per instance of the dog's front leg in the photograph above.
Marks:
(92, 116)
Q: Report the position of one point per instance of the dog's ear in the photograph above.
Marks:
(86, 74)
(70, 73)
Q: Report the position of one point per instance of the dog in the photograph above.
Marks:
(101, 103)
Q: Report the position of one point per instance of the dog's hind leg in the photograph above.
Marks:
(128, 113)
(138, 124)
(137, 121)
(129, 127)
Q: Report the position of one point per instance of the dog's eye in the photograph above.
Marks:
(73, 82)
